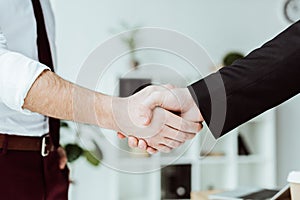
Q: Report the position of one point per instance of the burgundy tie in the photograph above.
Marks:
(45, 57)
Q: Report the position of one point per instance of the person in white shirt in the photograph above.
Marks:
(30, 92)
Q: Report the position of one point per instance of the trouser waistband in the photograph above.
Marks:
(26, 143)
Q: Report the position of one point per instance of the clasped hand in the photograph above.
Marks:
(158, 118)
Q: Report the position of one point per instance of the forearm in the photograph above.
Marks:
(53, 96)
(263, 79)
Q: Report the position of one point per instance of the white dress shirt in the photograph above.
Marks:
(19, 67)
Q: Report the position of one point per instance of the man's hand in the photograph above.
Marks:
(178, 100)
(166, 130)
(62, 158)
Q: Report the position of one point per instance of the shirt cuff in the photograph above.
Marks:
(17, 74)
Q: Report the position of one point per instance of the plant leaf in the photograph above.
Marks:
(97, 151)
(91, 158)
(73, 152)
(64, 124)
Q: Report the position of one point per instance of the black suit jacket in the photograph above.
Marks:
(263, 79)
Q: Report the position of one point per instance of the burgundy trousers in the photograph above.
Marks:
(26, 175)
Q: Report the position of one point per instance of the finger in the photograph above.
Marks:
(162, 98)
(201, 126)
(145, 114)
(132, 142)
(121, 135)
(62, 157)
(171, 143)
(151, 150)
(142, 144)
(179, 123)
(155, 143)
(146, 108)
(155, 99)
(169, 86)
(163, 148)
(63, 163)
(174, 134)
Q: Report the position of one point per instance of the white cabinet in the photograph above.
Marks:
(233, 170)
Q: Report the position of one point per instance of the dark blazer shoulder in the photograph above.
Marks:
(262, 80)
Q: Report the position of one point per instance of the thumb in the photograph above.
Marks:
(154, 100)
(146, 114)
(165, 99)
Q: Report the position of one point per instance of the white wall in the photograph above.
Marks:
(220, 26)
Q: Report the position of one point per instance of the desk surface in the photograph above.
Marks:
(203, 195)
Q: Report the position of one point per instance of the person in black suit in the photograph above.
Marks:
(250, 86)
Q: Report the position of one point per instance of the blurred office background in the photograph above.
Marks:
(219, 27)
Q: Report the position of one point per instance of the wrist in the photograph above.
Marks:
(105, 111)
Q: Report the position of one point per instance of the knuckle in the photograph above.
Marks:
(180, 136)
(185, 136)
(164, 131)
(185, 126)
(174, 144)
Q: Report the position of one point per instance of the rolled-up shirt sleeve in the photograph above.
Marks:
(17, 74)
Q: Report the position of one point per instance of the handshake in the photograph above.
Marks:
(157, 118)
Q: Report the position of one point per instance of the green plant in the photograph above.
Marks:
(130, 42)
(75, 150)
(231, 57)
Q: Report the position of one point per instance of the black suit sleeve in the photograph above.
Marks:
(263, 79)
